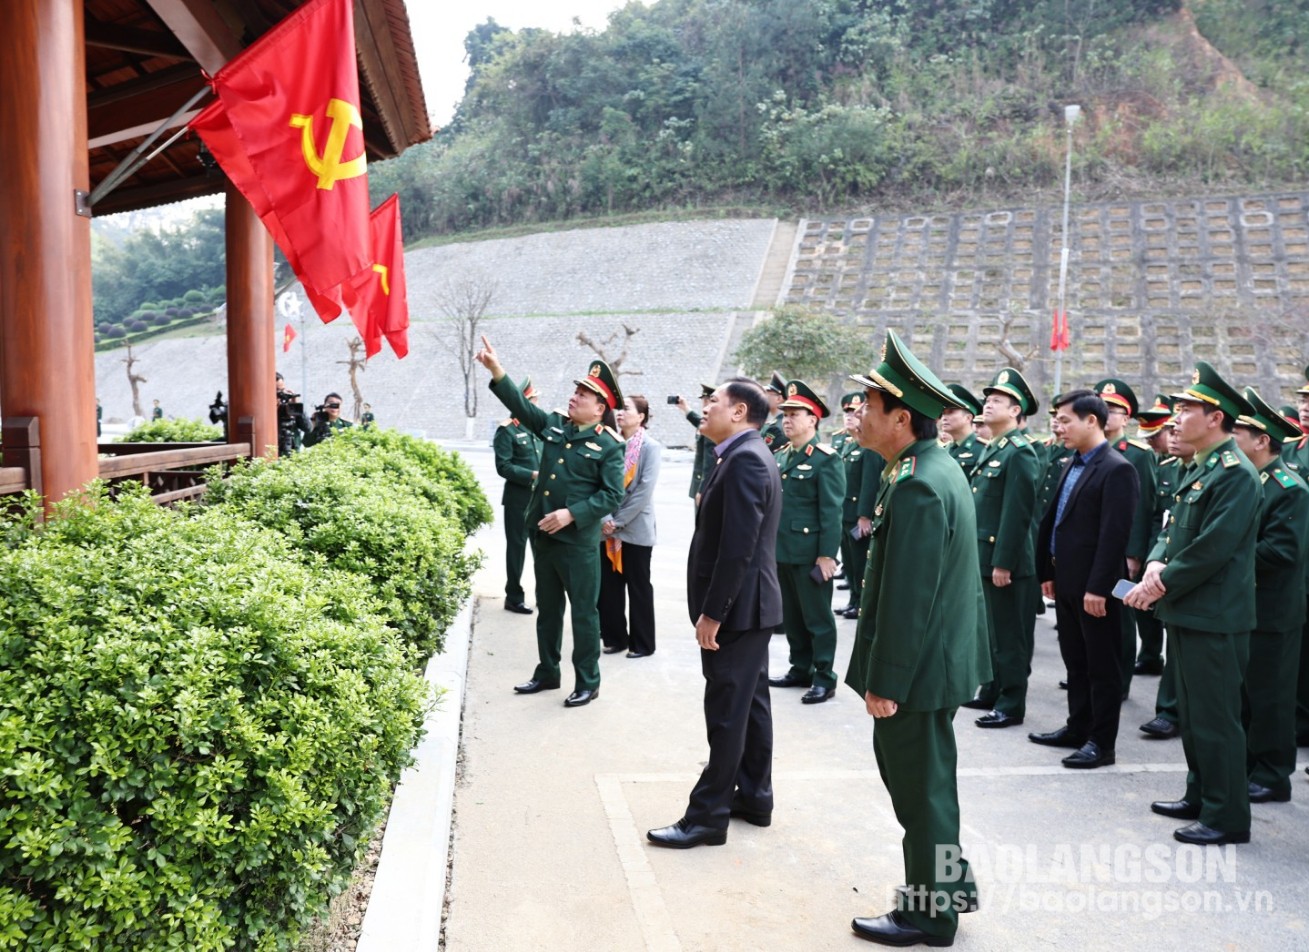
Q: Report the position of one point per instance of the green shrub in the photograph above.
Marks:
(194, 296)
(380, 511)
(197, 729)
(173, 431)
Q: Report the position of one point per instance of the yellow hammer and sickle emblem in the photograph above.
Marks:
(385, 273)
(328, 166)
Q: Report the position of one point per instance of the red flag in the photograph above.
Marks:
(379, 301)
(287, 130)
(288, 335)
(1059, 337)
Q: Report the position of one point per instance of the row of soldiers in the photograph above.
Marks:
(829, 491)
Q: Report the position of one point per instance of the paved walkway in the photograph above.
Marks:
(552, 806)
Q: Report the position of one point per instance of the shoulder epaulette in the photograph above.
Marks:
(824, 448)
(1170, 460)
(1004, 441)
(1230, 460)
(1142, 445)
(1019, 439)
(905, 469)
(1283, 477)
(611, 431)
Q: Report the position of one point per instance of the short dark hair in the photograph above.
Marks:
(1229, 421)
(747, 391)
(923, 426)
(1084, 403)
(642, 406)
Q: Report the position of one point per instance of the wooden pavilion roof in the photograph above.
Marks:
(144, 60)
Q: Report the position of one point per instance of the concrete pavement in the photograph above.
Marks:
(552, 805)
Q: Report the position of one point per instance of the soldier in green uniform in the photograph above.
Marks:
(368, 419)
(957, 423)
(517, 458)
(772, 433)
(921, 643)
(1122, 403)
(1150, 429)
(327, 421)
(863, 474)
(808, 539)
(579, 483)
(1200, 579)
(704, 447)
(1004, 485)
(1173, 471)
(1298, 457)
(1270, 675)
(158, 412)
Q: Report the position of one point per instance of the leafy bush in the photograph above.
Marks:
(197, 729)
(115, 330)
(135, 326)
(186, 312)
(173, 431)
(193, 297)
(161, 320)
(385, 513)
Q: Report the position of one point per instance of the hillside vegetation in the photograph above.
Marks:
(840, 105)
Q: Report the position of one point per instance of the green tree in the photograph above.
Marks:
(811, 346)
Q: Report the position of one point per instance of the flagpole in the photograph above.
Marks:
(1070, 116)
(304, 358)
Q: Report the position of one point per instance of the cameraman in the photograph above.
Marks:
(327, 420)
(292, 427)
(217, 413)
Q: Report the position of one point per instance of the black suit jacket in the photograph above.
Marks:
(731, 568)
(1091, 539)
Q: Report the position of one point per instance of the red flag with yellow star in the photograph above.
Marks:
(379, 301)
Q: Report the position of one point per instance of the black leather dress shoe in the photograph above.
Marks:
(517, 607)
(890, 929)
(852, 607)
(612, 649)
(997, 719)
(1088, 757)
(532, 686)
(1261, 794)
(758, 817)
(1177, 809)
(580, 698)
(978, 704)
(1202, 835)
(851, 612)
(1063, 737)
(844, 586)
(786, 681)
(682, 835)
(1161, 728)
(817, 694)
(1148, 667)
(638, 654)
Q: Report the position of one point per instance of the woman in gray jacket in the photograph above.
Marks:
(629, 537)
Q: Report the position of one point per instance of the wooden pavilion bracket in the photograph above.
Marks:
(21, 458)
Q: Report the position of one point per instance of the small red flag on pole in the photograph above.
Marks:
(288, 335)
(1059, 336)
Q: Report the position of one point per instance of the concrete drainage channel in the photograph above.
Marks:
(404, 912)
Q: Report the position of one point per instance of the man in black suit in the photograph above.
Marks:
(1081, 555)
(735, 602)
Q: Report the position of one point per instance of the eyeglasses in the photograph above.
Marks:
(332, 406)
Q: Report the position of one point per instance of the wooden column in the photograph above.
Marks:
(47, 363)
(251, 361)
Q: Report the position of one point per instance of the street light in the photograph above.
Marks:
(1071, 114)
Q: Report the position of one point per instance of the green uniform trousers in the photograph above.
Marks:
(809, 623)
(917, 757)
(515, 551)
(1302, 692)
(1151, 632)
(1209, 672)
(1127, 617)
(1269, 702)
(567, 573)
(854, 559)
(1165, 698)
(1007, 611)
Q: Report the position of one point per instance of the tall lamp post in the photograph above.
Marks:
(1071, 114)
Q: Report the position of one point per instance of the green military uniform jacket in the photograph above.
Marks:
(704, 454)
(863, 475)
(1297, 454)
(517, 457)
(1281, 550)
(922, 636)
(1053, 454)
(581, 467)
(1144, 528)
(774, 437)
(813, 485)
(1168, 476)
(966, 451)
(1004, 484)
(325, 429)
(1208, 546)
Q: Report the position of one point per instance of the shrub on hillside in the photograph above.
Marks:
(173, 431)
(115, 330)
(193, 297)
(376, 511)
(135, 326)
(197, 729)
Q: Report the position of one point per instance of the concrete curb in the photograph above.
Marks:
(404, 911)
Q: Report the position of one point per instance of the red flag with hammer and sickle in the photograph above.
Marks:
(286, 128)
(379, 301)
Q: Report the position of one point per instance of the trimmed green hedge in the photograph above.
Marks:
(173, 431)
(197, 728)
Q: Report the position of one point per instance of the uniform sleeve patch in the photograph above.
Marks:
(1283, 477)
(824, 448)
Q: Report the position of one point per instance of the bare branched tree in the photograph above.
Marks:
(464, 301)
(135, 380)
(356, 364)
(606, 347)
(1016, 358)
